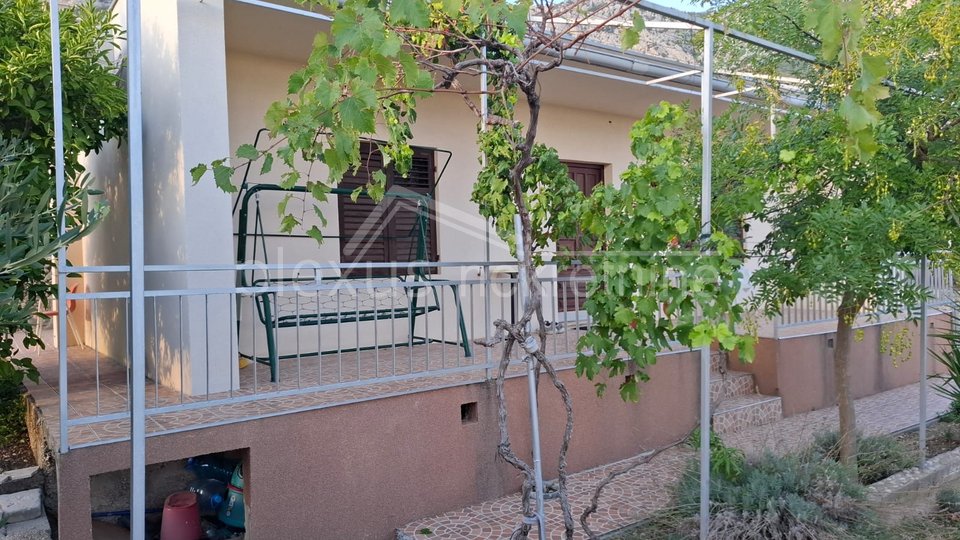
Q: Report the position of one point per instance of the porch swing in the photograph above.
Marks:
(317, 300)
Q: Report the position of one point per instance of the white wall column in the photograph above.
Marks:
(191, 343)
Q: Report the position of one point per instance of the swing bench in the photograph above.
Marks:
(305, 301)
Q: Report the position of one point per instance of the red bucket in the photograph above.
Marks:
(181, 517)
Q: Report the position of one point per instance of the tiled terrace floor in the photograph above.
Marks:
(98, 387)
(647, 488)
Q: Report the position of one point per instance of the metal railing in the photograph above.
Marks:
(334, 341)
(214, 356)
(814, 309)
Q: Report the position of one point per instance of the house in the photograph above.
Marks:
(367, 409)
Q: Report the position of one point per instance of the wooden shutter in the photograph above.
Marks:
(573, 295)
(387, 232)
(362, 230)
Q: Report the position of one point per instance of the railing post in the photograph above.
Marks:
(137, 322)
(61, 271)
(487, 318)
(924, 368)
(530, 346)
(706, 113)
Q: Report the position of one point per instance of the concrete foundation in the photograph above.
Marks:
(360, 470)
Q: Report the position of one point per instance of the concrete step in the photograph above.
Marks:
(21, 506)
(20, 480)
(740, 412)
(34, 529)
(731, 384)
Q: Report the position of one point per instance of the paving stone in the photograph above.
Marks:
(34, 529)
(20, 480)
(21, 506)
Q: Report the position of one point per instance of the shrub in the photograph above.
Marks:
(12, 412)
(878, 456)
(948, 384)
(94, 112)
(724, 460)
(774, 497)
(948, 500)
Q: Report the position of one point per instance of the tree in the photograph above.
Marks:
(366, 77)
(859, 184)
(94, 112)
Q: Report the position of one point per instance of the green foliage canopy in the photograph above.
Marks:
(94, 112)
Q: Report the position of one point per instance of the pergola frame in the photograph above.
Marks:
(136, 268)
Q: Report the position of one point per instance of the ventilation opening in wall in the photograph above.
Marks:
(829, 343)
(468, 412)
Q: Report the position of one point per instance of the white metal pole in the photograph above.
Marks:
(137, 305)
(529, 347)
(487, 317)
(60, 182)
(924, 368)
(706, 189)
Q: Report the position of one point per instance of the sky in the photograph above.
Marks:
(685, 5)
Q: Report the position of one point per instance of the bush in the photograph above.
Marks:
(788, 497)
(878, 456)
(948, 384)
(12, 412)
(724, 460)
(94, 112)
(948, 500)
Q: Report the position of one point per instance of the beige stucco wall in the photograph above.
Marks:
(359, 471)
(184, 111)
(445, 122)
(799, 369)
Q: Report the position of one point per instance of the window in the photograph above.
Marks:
(388, 231)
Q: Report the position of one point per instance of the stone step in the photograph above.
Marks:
(20, 480)
(34, 529)
(731, 384)
(21, 506)
(741, 412)
(718, 361)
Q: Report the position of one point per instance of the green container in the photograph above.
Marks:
(232, 511)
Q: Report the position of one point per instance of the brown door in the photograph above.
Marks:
(572, 294)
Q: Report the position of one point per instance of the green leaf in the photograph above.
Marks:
(355, 116)
(222, 176)
(639, 24)
(413, 12)
(297, 81)
(267, 164)
(630, 390)
(288, 223)
(787, 156)
(516, 18)
(857, 117)
(197, 172)
(825, 19)
(248, 151)
(282, 205)
(315, 233)
(452, 7)
(629, 38)
(701, 335)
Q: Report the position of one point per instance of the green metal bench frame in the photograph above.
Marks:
(267, 301)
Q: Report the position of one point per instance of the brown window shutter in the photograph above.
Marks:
(387, 232)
